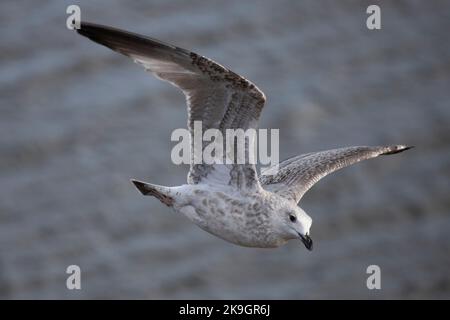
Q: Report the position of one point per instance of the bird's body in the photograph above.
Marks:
(243, 218)
(230, 200)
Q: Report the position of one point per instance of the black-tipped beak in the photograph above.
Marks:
(307, 241)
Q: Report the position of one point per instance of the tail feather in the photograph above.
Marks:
(159, 192)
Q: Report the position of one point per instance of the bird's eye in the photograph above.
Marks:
(292, 218)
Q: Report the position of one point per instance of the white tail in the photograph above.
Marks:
(160, 192)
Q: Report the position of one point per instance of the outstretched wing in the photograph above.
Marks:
(216, 96)
(296, 175)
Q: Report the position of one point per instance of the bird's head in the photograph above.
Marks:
(294, 223)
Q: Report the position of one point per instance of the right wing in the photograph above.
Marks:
(218, 97)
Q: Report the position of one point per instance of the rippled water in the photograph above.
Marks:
(77, 121)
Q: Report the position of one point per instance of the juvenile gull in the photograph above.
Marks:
(230, 200)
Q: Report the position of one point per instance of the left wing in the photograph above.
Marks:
(297, 175)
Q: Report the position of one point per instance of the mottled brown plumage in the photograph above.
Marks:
(293, 177)
(228, 200)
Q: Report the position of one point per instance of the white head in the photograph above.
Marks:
(293, 223)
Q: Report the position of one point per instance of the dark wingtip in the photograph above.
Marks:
(84, 28)
(397, 149)
(141, 186)
(96, 32)
(99, 33)
(118, 40)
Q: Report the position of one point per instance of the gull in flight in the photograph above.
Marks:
(230, 200)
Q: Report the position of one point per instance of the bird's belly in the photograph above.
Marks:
(229, 220)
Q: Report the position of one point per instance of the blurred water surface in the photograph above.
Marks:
(77, 121)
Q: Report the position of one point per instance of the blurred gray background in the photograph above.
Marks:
(78, 121)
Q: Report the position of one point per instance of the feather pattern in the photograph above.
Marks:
(293, 177)
(216, 96)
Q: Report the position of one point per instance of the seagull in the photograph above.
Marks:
(231, 201)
